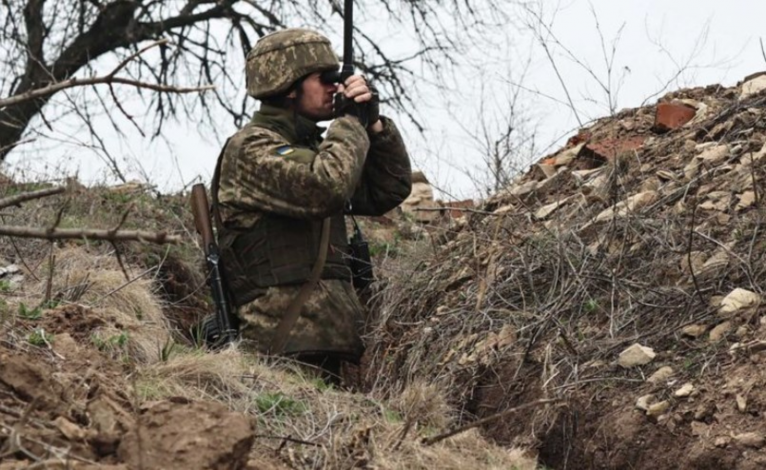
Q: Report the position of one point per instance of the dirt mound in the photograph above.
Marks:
(643, 234)
(97, 370)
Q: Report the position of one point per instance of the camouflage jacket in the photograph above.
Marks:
(279, 164)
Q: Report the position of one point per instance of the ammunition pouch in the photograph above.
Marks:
(280, 251)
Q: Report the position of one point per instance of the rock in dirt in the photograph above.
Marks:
(753, 86)
(643, 402)
(656, 409)
(720, 331)
(661, 375)
(694, 331)
(722, 441)
(741, 403)
(750, 439)
(188, 435)
(685, 390)
(636, 355)
(738, 299)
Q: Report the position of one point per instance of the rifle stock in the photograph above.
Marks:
(226, 330)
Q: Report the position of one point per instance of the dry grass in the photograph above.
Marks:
(350, 428)
(514, 308)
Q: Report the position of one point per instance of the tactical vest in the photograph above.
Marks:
(280, 251)
(276, 250)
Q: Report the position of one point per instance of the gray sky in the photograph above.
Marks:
(660, 45)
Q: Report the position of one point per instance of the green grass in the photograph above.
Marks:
(30, 313)
(110, 344)
(280, 404)
(39, 338)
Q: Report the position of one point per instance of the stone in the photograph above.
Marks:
(544, 171)
(421, 197)
(738, 299)
(741, 403)
(717, 200)
(69, 429)
(524, 188)
(741, 332)
(694, 331)
(661, 375)
(746, 200)
(630, 205)
(714, 154)
(636, 355)
(608, 149)
(643, 402)
(549, 209)
(713, 266)
(722, 441)
(685, 390)
(750, 439)
(656, 409)
(719, 332)
(671, 116)
(753, 84)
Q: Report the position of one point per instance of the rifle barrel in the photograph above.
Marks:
(348, 33)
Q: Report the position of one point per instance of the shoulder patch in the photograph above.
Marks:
(285, 150)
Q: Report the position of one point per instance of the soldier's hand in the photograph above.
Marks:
(357, 89)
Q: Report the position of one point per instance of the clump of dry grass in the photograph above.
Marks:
(131, 311)
(347, 428)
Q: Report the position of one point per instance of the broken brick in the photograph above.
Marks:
(671, 116)
(582, 136)
(608, 149)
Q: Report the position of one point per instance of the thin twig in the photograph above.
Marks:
(447, 208)
(288, 439)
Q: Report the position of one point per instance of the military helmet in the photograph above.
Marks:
(279, 59)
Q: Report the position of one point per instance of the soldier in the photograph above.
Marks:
(278, 180)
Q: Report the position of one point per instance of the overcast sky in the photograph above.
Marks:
(660, 46)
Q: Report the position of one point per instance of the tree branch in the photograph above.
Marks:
(106, 79)
(89, 234)
(19, 198)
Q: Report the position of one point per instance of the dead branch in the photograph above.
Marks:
(76, 82)
(89, 234)
(109, 79)
(23, 197)
(448, 208)
(433, 440)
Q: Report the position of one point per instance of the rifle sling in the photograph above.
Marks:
(290, 318)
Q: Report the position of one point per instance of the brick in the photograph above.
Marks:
(596, 154)
(671, 116)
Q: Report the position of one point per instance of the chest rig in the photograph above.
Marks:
(277, 250)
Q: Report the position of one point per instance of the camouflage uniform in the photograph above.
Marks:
(279, 166)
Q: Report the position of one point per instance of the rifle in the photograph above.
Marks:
(220, 328)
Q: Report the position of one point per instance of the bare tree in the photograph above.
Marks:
(49, 48)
